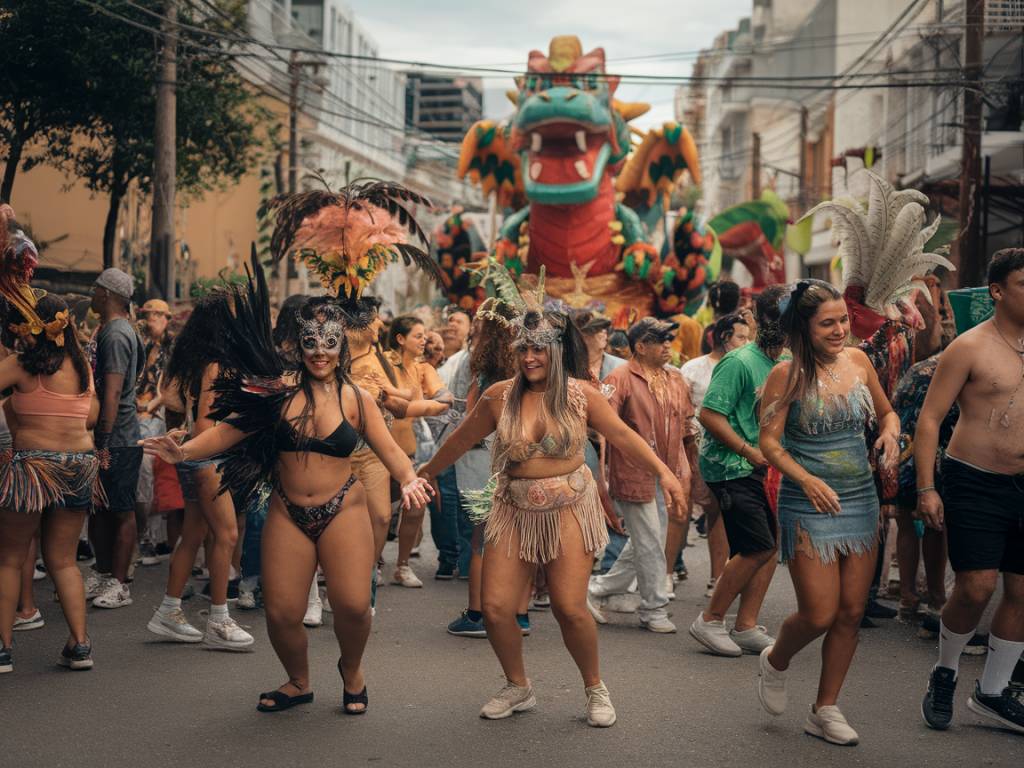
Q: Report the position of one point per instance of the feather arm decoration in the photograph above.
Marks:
(251, 390)
(882, 245)
(349, 237)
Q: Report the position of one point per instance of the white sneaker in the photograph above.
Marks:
(771, 686)
(96, 584)
(227, 634)
(35, 621)
(659, 624)
(117, 595)
(381, 581)
(710, 591)
(327, 605)
(670, 586)
(174, 626)
(829, 724)
(39, 572)
(509, 700)
(600, 712)
(404, 575)
(753, 640)
(714, 636)
(246, 599)
(314, 613)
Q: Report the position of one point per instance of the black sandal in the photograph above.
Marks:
(350, 699)
(282, 701)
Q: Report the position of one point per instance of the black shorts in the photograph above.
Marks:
(984, 514)
(121, 479)
(750, 524)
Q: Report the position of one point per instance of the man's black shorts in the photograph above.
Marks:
(750, 524)
(984, 514)
(121, 480)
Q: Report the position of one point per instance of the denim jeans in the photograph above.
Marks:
(255, 517)
(444, 518)
(616, 543)
(643, 558)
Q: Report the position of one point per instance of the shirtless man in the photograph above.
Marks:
(981, 505)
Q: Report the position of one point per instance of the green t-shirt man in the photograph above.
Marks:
(734, 392)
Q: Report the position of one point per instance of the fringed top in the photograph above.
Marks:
(824, 413)
(522, 450)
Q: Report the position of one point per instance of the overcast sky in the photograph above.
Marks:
(489, 32)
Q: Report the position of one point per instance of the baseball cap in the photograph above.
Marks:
(651, 327)
(159, 306)
(117, 282)
(588, 321)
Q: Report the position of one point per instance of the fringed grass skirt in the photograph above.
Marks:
(532, 511)
(33, 481)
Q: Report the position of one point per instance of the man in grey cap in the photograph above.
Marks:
(654, 401)
(120, 357)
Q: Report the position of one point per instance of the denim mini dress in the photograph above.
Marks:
(825, 436)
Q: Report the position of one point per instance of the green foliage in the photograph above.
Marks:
(203, 286)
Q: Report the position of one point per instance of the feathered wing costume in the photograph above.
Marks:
(347, 238)
(882, 250)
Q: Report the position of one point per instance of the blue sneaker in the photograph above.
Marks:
(466, 627)
(523, 619)
(6, 660)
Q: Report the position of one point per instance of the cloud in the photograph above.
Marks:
(491, 33)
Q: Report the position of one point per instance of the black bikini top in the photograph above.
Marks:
(339, 444)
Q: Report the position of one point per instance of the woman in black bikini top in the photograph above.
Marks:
(295, 433)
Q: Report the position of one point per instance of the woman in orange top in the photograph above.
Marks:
(406, 341)
(51, 479)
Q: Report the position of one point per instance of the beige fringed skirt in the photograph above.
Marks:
(531, 510)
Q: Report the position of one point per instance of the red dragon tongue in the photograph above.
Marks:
(567, 160)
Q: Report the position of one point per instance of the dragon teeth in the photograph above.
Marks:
(581, 169)
(535, 142)
(535, 170)
(581, 140)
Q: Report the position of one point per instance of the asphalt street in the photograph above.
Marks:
(155, 704)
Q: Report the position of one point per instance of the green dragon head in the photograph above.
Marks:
(567, 129)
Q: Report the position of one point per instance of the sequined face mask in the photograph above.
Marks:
(537, 331)
(322, 336)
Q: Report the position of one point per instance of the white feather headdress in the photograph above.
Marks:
(882, 245)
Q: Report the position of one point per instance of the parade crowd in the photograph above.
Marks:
(563, 463)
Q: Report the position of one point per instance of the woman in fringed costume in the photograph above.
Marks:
(293, 435)
(820, 406)
(545, 503)
(51, 479)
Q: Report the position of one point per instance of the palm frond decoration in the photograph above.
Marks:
(349, 237)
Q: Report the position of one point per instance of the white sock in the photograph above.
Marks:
(248, 584)
(314, 592)
(951, 645)
(1002, 658)
(219, 612)
(170, 604)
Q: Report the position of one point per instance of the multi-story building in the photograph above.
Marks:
(813, 136)
(442, 107)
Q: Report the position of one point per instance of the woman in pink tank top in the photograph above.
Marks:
(50, 479)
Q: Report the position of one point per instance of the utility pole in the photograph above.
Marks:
(755, 170)
(802, 192)
(293, 119)
(969, 259)
(161, 244)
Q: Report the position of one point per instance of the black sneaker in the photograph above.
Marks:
(876, 610)
(1018, 672)
(84, 553)
(163, 549)
(6, 660)
(445, 571)
(78, 656)
(937, 706)
(232, 591)
(976, 646)
(1006, 709)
